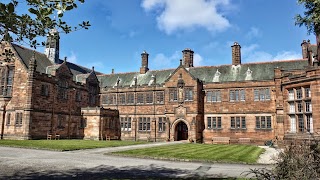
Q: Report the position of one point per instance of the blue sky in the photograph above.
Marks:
(122, 29)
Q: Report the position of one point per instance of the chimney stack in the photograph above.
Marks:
(187, 57)
(236, 53)
(144, 62)
(304, 47)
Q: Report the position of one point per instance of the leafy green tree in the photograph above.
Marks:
(42, 16)
(311, 17)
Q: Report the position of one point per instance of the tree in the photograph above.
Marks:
(42, 16)
(311, 19)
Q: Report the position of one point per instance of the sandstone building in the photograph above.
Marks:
(254, 102)
(41, 95)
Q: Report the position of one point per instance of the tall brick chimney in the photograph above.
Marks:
(304, 47)
(144, 62)
(187, 58)
(236, 53)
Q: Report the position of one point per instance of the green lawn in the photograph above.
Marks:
(200, 152)
(65, 145)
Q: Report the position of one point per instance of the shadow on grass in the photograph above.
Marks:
(111, 172)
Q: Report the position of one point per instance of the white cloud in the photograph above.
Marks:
(246, 50)
(286, 55)
(72, 57)
(252, 53)
(162, 61)
(197, 60)
(186, 15)
(150, 4)
(254, 32)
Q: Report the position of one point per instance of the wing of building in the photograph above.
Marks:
(235, 103)
(45, 97)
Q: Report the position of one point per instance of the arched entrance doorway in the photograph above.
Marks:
(181, 131)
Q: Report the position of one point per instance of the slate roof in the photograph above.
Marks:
(208, 74)
(25, 55)
(127, 79)
(44, 65)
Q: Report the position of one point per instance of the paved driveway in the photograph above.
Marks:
(18, 163)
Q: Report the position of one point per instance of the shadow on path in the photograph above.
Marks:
(110, 172)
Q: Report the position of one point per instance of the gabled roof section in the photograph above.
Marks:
(181, 66)
(44, 65)
(126, 79)
(25, 55)
(244, 72)
(92, 76)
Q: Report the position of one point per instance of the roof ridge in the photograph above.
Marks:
(137, 72)
(26, 48)
(265, 62)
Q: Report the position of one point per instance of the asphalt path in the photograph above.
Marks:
(20, 163)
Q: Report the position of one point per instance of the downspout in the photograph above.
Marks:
(3, 121)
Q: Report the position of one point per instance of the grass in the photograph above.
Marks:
(65, 145)
(200, 152)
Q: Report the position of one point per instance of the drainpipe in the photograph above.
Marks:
(3, 121)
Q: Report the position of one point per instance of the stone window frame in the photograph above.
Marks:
(144, 124)
(160, 97)
(140, 98)
(309, 120)
(299, 94)
(307, 92)
(18, 118)
(214, 122)
(63, 89)
(8, 119)
(263, 122)
(308, 106)
(45, 90)
(6, 81)
(60, 121)
(111, 99)
(261, 94)
(213, 96)
(78, 96)
(300, 120)
(130, 98)
(238, 122)
(237, 95)
(126, 124)
(161, 124)
(188, 94)
(122, 98)
(173, 94)
(148, 97)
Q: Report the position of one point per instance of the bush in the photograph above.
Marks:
(297, 161)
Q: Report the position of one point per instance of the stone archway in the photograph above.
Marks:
(181, 131)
